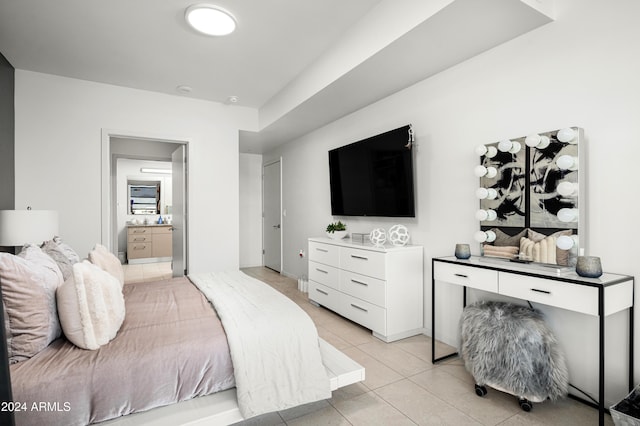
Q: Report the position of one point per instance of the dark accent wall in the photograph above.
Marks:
(7, 202)
(7, 126)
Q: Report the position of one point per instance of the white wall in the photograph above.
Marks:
(578, 71)
(59, 123)
(250, 210)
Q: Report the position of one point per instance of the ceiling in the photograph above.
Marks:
(301, 63)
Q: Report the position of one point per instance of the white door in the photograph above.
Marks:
(179, 189)
(271, 217)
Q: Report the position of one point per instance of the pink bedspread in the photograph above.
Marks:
(171, 348)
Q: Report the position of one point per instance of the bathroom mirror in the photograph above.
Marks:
(530, 196)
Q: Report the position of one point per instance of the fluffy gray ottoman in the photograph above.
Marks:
(511, 349)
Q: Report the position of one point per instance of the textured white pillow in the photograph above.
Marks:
(107, 261)
(90, 306)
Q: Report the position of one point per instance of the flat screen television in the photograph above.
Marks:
(374, 176)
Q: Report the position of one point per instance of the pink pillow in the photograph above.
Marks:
(107, 261)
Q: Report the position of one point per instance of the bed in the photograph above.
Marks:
(182, 356)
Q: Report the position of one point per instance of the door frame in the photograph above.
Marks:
(108, 206)
(269, 163)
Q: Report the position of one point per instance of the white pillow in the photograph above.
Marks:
(90, 306)
(107, 261)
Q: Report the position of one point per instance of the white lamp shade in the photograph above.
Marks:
(19, 227)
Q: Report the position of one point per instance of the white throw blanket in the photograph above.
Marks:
(273, 343)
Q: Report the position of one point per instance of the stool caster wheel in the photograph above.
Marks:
(525, 404)
(481, 390)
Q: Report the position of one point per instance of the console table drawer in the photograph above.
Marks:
(325, 296)
(323, 253)
(366, 288)
(574, 297)
(324, 274)
(366, 314)
(363, 262)
(482, 279)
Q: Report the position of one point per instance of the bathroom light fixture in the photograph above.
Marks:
(567, 189)
(567, 242)
(488, 151)
(484, 236)
(567, 215)
(567, 162)
(210, 20)
(489, 172)
(567, 135)
(486, 193)
(488, 214)
(158, 171)
(537, 141)
(507, 145)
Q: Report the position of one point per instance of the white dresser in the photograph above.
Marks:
(599, 297)
(380, 288)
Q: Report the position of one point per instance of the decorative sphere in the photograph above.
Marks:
(399, 235)
(378, 236)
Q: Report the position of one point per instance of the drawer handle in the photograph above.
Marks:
(139, 248)
(360, 282)
(139, 231)
(321, 270)
(138, 239)
(540, 291)
(322, 250)
(360, 308)
(359, 257)
(323, 292)
(461, 275)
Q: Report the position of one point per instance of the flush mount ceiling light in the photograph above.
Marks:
(210, 20)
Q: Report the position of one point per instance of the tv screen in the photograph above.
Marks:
(374, 176)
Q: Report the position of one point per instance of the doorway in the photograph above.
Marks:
(272, 215)
(159, 156)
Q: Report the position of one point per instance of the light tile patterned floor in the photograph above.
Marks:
(402, 386)
(146, 272)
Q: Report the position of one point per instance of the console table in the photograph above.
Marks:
(551, 286)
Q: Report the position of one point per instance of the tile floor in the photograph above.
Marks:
(402, 386)
(146, 272)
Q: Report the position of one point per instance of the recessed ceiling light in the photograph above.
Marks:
(233, 99)
(209, 19)
(184, 88)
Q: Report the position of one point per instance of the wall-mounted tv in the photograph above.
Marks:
(374, 176)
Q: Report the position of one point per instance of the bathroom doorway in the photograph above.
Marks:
(145, 165)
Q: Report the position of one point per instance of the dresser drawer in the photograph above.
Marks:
(161, 230)
(369, 289)
(139, 238)
(365, 262)
(324, 274)
(138, 250)
(482, 279)
(323, 253)
(138, 230)
(574, 297)
(325, 296)
(366, 314)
